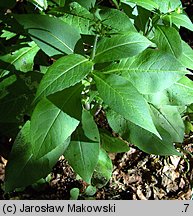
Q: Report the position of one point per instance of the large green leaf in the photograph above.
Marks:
(50, 127)
(116, 21)
(69, 100)
(82, 154)
(120, 95)
(150, 72)
(186, 58)
(23, 168)
(143, 139)
(22, 59)
(103, 170)
(168, 40)
(120, 46)
(179, 94)
(147, 4)
(179, 19)
(65, 72)
(52, 35)
(168, 118)
(83, 151)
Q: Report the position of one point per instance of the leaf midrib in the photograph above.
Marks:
(122, 98)
(118, 45)
(21, 55)
(49, 128)
(60, 110)
(54, 80)
(142, 70)
(169, 43)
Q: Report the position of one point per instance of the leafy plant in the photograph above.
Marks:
(64, 63)
(86, 194)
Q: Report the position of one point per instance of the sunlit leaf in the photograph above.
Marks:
(150, 72)
(120, 95)
(120, 46)
(65, 72)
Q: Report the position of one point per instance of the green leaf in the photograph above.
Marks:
(52, 35)
(168, 40)
(22, 168)
(65, 72)
(50, 127)
(179, 94)
(113, 144)
(120, 95)
(150, 144)
(147, 4)
(69, 100)
(120, 46)
(166, 6)
(188, 127)
(118, 123)
(22, 59)
(74, 193)
(80, 18)
(89, 126)
(143, 139)
(16, 96)
(179, 19)
(8, 34)
(103, 170)
(84, 147)
(168, 118)
(116, 21)
(82, 154)
(150, 72)
(186, 58)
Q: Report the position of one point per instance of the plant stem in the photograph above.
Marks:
(94, 47)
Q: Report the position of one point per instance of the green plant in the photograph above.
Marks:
(86, 194)
(65, 62)
(74, 193)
